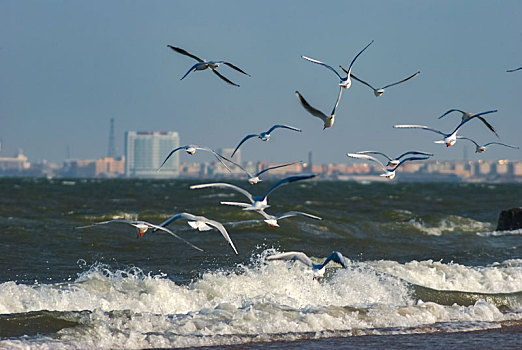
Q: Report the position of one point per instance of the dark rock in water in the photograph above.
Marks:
(510, 219)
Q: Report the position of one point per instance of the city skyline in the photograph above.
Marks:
(70, 67)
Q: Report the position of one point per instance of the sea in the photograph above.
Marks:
(426, 267)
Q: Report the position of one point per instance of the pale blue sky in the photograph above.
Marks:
(67, 67)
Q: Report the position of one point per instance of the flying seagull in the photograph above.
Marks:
(514, 70)
(256, 203)
(466, 115)
(142, 227)
(449, 139)
(345, 82)
(191, 149)
(388, 173)
(318, 269)
(254, 178)
(482, 148)
(200, 223)
(327, 120)
(265, 136)
(395, 161)
(202, 65)
(379, 92)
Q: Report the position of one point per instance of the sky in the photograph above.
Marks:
(68, 67)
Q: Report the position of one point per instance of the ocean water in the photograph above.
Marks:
(425, 266)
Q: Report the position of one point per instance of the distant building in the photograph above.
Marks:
(14, 164)
(145, 151)
(110, 167)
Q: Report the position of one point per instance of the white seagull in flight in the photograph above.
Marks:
(254, 179)
(482, 148)
(345, 82)
(142, 227)
(327, 120)
(318, 269)
(449, 139)
(191, 149)
(379, 92)
(388, 173)
(466, 115)
(265, 136)
(200, 223)
(392, 162)
(271, 220)
(256, 203)
(202, 65)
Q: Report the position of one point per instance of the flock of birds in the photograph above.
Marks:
(258, 204)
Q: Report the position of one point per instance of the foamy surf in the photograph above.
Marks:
(107, 308)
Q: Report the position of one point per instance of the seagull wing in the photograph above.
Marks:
(467, 138)
(367, 157)
(402, 81)
(221, 229)
(407, 126)
(218, 156)
(174, 235)
(242, 141)
(236, 68)
(283, 127)
(322, 64)
(374, 152)
(297, 213)
(502, 144)
(514, 70)
(224, 185)
(451, 111)
(289, 180)
(408, 160)
(338, 100)
(300, 256)
(171, 153)
(275, 167)
(336, 257)
(413, 152)
(236, 204)
(171, 219)
(360, 80)
(193, 68)
(130, 222)
(315, 112)
(351, 64)
(490, 127)
(224, 78)
(183, 52)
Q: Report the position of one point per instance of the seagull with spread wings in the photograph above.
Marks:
(318, 269)
(191, 149)
(328, 120)
(265, 135)
(378, 92)
(482, 148)
(466, 115)
(202, 65)
(388, 173)
(395, 161)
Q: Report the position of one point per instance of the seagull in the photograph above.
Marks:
(257, 203)
(202, 65)
(254, 179)
(482, 148)
(200, 223)
(466, 115)
(388, 173)
(514, 70)
(327, 120)
(449, 139)
(265, 136)
(346, 81)
(271, 220)
(395, 161)
(379, 92)
(191, 149)
(142, 227)
(318, 269)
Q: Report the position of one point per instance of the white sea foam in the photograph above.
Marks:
(259, 302)
(500, 233)
(450, 224)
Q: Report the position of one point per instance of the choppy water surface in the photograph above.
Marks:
(422, 258)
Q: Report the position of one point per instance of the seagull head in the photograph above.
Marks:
(393, 163)
(378, 92)
(191, 150)
(141, 229)
(254, 180)
(264, 136)
(389, 175)
(480, 149)
(345, 84)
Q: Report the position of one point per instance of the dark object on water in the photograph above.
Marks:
(510, 219)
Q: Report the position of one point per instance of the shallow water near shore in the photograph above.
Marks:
(424, 262)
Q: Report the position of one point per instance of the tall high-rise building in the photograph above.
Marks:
(145, 151)
(111, 151)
